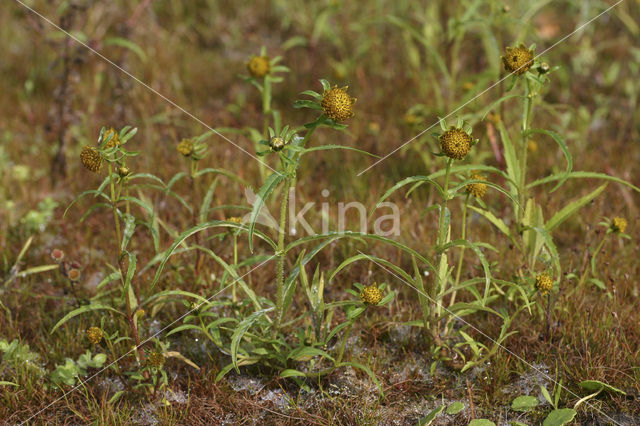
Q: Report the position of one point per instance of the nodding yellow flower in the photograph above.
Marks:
(544, 283)
(532, 146)
(91, 159)
(124, 171)
(112, 136)
(234, 219)
(259, 66)
(455, 143)
(95, 335)
(141, 313)
(370, 295)
(517, 60)
(619, 224)
(155, 359)
(477, 189)
(337, 104)
(276, 143)
(185, 147)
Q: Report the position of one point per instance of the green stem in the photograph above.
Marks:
(585, 273)
(280, 254)
(114, 207)
(463, 235)
(526, 119)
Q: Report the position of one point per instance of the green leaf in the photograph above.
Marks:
(330, 147)
(596, 385)
(429, 418)
(572, 207)
(270, 184)
(289, 372)
(497, 222)
(4, 383)
(307, 104)
(82, 310)
(455, 408)
(524, 403)
(240, 330)
(129, 227)
(583, 175)
(481, 422)
(563, 146)
(123, 42)
(305, 353)
(559, 417)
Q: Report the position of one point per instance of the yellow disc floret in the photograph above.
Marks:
(455, 143)
(155, 359)
(259, 66)
(91, 159)
(477, 189)
(111, 136)
(544, 283)
(371, 295)
(337, 104)
(619, 224)
(95, 334)
(517, 60)
(185, 147)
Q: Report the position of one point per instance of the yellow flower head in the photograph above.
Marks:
(478, 190)
(517, 60)
(124, 171)
(155, 359)
(370, 295)
(276, 143)
(111, 136)
(185, 147)
(532, 146)
(95, 335)
(259, 66)
(91, 159)
(544, 283)
(455, 143)
(234, 219)
(141, 313)
(619, 224)
(337, 104)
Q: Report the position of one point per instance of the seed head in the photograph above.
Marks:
(95, 335)
(337, 104)
(74, 274)
(619, 224)
(544, 283)
(517, 60)
(155, 359)
(185, 147)
(370, 295)
(276, 143)
(455, 143)
(477, 189)
(259, 66)
(57, 255)
(91, 159)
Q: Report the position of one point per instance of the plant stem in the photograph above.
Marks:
(114, 207)
(193, 170)
(281, 256)
(526, 119)
(463, 235)
(585, 273)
